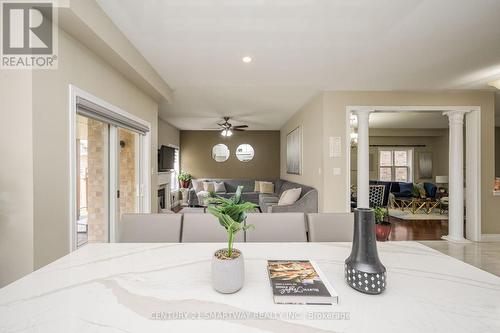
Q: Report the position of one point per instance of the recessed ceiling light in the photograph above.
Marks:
(495, 84)
(247, 59)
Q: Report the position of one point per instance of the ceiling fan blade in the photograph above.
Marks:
(238, 129)
(240, 126)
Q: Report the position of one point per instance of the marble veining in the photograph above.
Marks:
(123, 288)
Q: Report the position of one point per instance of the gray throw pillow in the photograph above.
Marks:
(220, 187)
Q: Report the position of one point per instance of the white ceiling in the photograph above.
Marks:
(302, 46)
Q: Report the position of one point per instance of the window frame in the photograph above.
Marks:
(174, 173)
(393, 166)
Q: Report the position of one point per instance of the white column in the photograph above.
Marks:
(363, 159)
(456, 177)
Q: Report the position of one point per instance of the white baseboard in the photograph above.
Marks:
(490, 238)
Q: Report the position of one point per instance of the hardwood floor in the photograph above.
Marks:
(406, 230)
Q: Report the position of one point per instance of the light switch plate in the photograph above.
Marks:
(335, 146)
(337, 171)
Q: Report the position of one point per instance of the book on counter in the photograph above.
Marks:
(299, 282)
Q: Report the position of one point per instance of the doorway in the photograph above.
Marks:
(109, 157)
(472, 158)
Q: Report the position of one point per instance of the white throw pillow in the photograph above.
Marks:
(197, 185)
(289, 197)
(220, 187)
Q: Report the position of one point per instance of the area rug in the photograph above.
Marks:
(407, 215)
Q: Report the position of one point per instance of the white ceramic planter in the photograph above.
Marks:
(228, 275)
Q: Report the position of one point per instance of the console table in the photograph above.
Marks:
(166, 288)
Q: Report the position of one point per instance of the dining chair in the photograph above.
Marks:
(330, 227)
(205, 228)
(150, 228)
(276, 227)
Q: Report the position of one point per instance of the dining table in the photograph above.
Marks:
(166, 287)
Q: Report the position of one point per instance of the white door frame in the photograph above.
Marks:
(145, 155)
(472, 157)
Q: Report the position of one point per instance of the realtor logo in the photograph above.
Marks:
(28, 35)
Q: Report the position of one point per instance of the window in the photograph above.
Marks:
(174, 183)
(395, 164)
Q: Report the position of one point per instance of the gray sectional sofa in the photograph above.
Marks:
(268, 203)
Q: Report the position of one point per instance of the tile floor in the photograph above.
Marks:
(485, 256)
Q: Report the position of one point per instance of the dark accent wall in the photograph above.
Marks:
(196, 155)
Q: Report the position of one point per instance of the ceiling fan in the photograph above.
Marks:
(228, 128)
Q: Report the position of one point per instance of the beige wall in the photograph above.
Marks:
(167, 134)
(16, 175)
(334, 190)
(310, 119)
(435, 142)
(497, 151)
(196, 155)
(82, 68)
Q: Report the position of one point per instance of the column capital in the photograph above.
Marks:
(455, 117)
(362, 115)
(362, 112)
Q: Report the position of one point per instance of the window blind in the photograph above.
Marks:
(91, 110)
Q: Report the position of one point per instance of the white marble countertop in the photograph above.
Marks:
(142, 287)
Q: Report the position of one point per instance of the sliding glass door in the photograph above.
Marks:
(109, 175)
(92, 178)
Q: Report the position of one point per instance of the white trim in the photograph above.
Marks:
(146, 173)
(473, 128)
(114, 183)
(490, 238)
(348, 160)
(72, 169)
(472, 175)
(354, 108)
(75, 92)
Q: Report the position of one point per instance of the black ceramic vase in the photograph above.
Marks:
(363, 269)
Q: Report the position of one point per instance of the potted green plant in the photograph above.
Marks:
(228, 268)
(184, 179)
(382, 226)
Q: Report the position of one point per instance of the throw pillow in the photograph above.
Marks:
(257, 186)
(209, 186)
(266, 187)
(289, 197)
(197, 185)
(406, 188)
(421, 190)
(219, 187)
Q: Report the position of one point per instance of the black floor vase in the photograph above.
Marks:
(363, 269)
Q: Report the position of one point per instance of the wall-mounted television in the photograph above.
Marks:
(166, 156)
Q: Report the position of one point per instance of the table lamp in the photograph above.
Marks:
(443, 180)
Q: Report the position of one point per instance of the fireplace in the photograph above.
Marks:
(161, 198)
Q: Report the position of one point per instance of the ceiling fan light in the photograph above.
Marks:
(226, 132)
